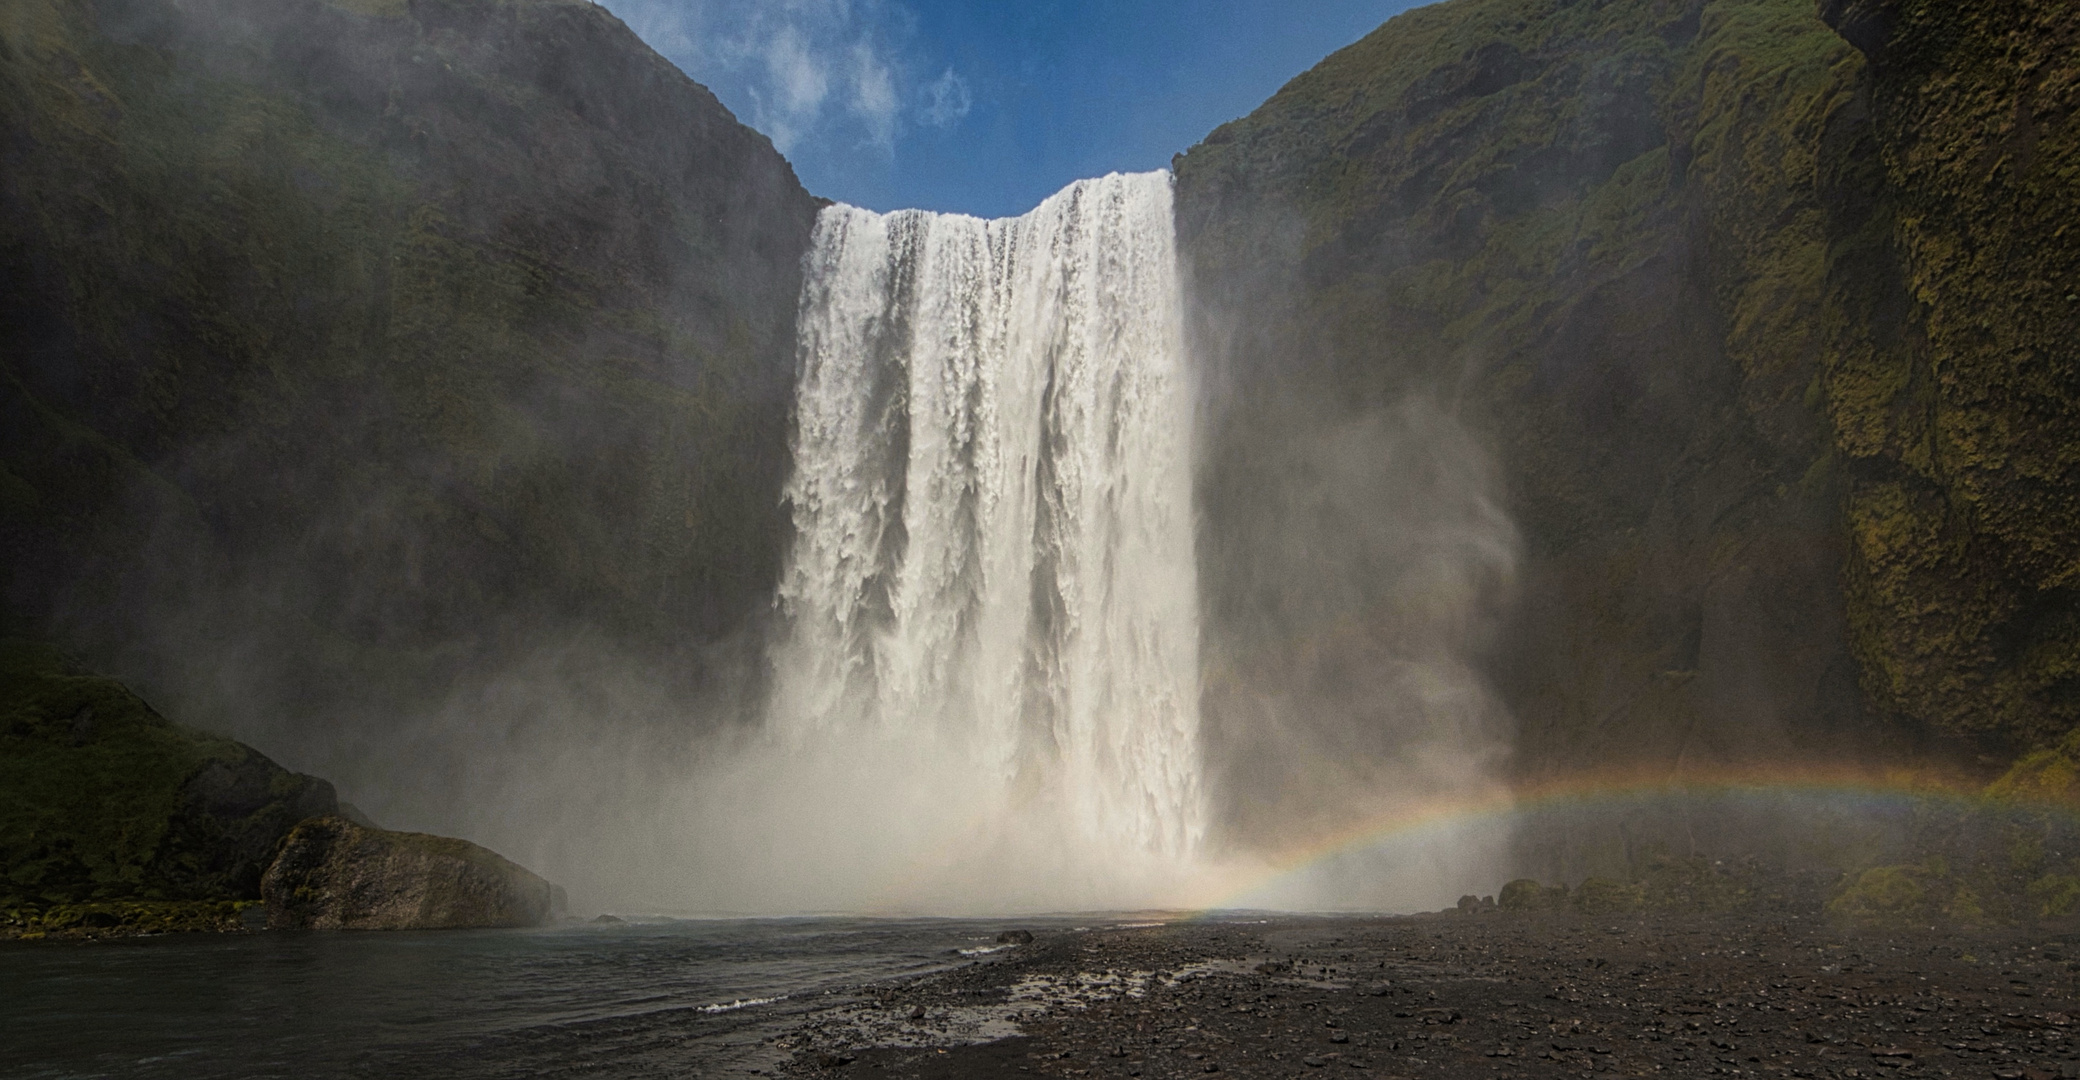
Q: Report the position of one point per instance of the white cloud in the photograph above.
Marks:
(817, 76)
(794, 89)
(796, 74)
(874, 95)
(946, 100)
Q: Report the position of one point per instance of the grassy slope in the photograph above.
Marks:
(102, 799)
(357, 342)
(1677, 261)
(1592, 229)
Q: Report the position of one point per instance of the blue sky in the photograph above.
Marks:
(987, 108)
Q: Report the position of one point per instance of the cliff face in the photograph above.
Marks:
(344, 346)
(1953, 370)
(1758, 342)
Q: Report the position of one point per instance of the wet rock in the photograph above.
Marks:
(1015, 937)
(335, 875)
(1676, 994)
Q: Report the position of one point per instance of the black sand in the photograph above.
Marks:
(1487, 995)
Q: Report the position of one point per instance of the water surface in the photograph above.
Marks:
(658, 998)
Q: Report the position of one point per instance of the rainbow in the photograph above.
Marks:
(1876, 788)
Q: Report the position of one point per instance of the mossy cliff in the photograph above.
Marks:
(1767, 341)
(104, 801)
(115, 821)
(346, 347)
(1952, 373)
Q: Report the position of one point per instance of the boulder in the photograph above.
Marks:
(332, 874)
(1525, 894)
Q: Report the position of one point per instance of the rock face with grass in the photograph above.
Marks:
(104, 800)
(332, 874)
(1768, 329)
(1951, 377)
(114, 820)
(352, 347)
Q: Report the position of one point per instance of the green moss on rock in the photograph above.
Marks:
(130, 918)
(1953, 374)
(2046, 776)
(1891, 893)
(1606, 896)
(1766, 323)
(1525, 894)
(102, 799)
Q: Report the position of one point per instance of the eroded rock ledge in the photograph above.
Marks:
(332, 874)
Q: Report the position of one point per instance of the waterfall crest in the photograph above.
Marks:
(992, 566)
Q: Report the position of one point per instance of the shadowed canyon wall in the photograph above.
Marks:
(350, 351)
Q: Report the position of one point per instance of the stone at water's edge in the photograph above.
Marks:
(335, 875)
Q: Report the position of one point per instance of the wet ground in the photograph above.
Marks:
(1487, 995)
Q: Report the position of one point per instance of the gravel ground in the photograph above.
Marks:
(1485, 995)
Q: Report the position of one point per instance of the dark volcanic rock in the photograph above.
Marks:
(335, 875)
(1547, 994)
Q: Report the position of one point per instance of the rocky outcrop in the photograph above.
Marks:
(1866, 24)
(102, 799)
(113, 820)
(332, 874)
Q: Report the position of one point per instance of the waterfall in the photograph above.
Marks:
(992, 567)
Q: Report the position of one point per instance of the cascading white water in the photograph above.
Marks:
(992, 567)
(985, 687)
